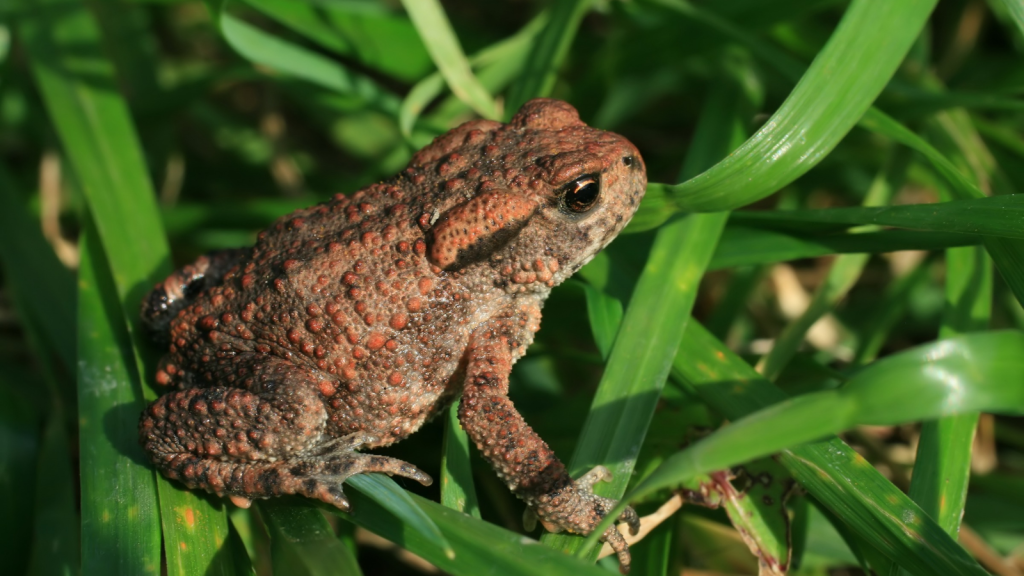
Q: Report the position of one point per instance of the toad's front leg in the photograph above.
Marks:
(519, 456)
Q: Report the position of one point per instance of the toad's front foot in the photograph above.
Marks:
(578, 510)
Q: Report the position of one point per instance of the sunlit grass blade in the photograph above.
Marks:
(387, 494)
(1014, 9)
(830, 470)
(549, 51)
(120, 517)
(840, 85)
(479, 547)
(95, 127)
(942, 468)
(743, 246)
(303, 543)
(507, 56)
(979, 363)
(457, 489)
(995, 216)
(437, 34)
(268, 50)
(1007, 253)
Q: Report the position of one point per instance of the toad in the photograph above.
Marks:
(351, 323)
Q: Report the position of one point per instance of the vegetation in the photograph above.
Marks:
(858, 316)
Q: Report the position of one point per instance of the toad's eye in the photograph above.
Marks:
(581, 194)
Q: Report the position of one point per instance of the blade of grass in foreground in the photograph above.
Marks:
(120, 518)
(1015, 9)
(909, 386)
(942, 468)
(457, 489)
(840, 85)
(95, 127)
(479, 547)
(436, 32)
(742, 246)
(303, 543)
(848, 485)
(998, 216)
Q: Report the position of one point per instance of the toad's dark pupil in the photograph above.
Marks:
(581, 194)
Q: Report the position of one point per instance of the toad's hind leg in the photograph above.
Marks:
(175, 292)
(252, 444)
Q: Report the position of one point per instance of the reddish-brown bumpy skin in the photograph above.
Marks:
(351, 323)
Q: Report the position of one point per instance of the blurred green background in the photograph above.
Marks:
(831, 244)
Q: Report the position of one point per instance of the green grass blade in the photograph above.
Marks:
(743, 246)
(387, 494)
(955, 375)
(508, 55)
(303, 543)
(840, 85)
(1014, 9)
(942, 468)
(836, 475)
(437, 34)
(371, 32)
(270, 51)
(99, 139)
(479, 547)
(996, 216)
(120, 516)
(457, 489)
(549, 51)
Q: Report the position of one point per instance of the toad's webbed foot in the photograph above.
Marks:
(321, 473)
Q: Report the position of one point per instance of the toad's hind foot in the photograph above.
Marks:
(321, 474)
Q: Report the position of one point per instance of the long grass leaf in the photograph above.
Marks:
(457, 489)
(99, 139)
(268, 50)
(303, 543)
(840, 85)
(743, 246)
(479, 547)
(120, 517)
(1000, 216)
(549, 51)
(437, 34)
(872, 507)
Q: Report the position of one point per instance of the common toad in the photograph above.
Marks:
(351, 323)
